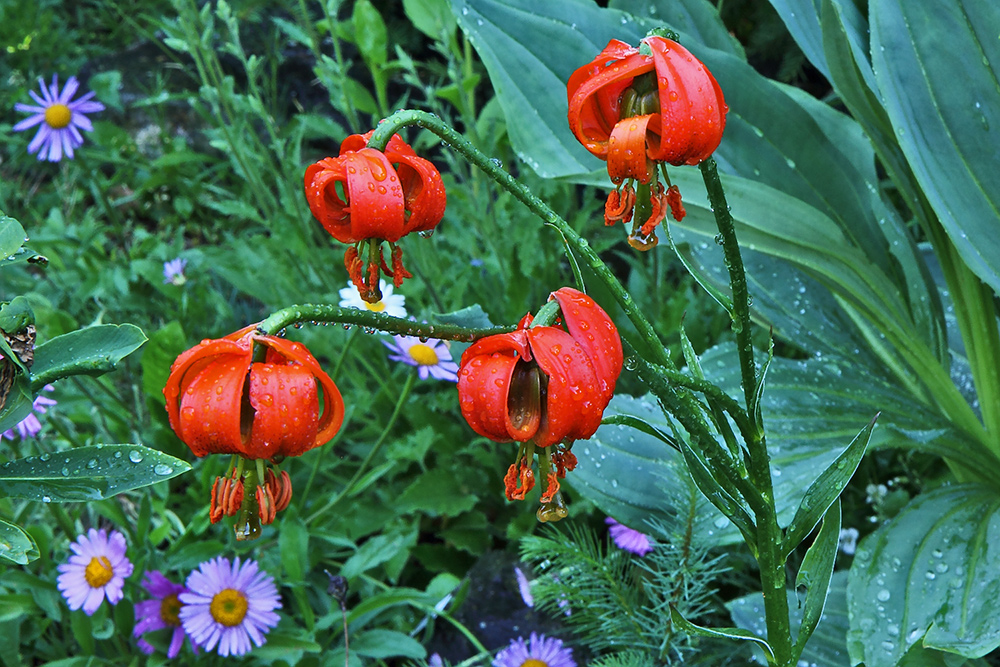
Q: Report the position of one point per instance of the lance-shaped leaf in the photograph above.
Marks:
(815, 575)
(91, 351)
(929, 577)
(690, 628)
(16, 545)
(87, 473)
(935, 62)
(712, 487)
(825, 490)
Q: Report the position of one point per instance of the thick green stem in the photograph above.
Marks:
(369, 320)
(770, 558)
(738, 282)
(495, 170)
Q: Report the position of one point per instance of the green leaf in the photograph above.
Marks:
(370, 33)
(158, 355)
(431, 17)
(372, 553)
(718, 633)
(931, 576)
(802, 21)
(87, 473)
(378, 643)
(16, 545)
(815, 575)
(634, 476)
(435, 493)
(12, 236)
(696, 18)
(935, 63)
(18, 404)
(530, 48)
(827, 645)
(713, 486)
(92, 351)
(293, 545)
(826, 489)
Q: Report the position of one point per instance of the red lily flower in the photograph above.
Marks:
(221, 401)
(543, 386)
(634, 109)
(365, 196)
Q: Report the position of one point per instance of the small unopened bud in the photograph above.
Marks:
(337, 588)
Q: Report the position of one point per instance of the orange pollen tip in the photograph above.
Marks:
(98, 572)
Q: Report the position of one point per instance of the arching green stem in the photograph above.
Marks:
(367, 319)
(495, 170)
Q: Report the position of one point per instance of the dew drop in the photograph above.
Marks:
(135, 456)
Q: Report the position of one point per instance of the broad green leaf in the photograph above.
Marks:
(802, 21)
(92, 351)
(87, 473)
(16, 545)
(690, 628)
(810, 409)
(431, 17)
(379, 643)
(935, 63)
(634, 476)
(529, 49)
(930, 576)
(827, 488)
(815, 575)
(372, 553)
(435, 493)
(12, 236)
(697, 18)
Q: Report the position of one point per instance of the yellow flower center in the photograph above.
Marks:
(376, 307)
(58, 116)
(424, 354)
(534, 662)
(98, 572)
(228, 607)
(170, 609)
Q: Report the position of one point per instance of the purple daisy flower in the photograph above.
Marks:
(627, 539)
(229, 605)
(97, 569)
(173, 272)
(29, 427)
(61, 119)
(539, 651)
(160, 612)
(431, 358)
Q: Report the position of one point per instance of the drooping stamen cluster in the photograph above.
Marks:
(272, 495)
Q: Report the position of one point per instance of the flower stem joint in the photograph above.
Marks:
(543, 386)
(365, 197)
(221, 401)
(637, 108)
